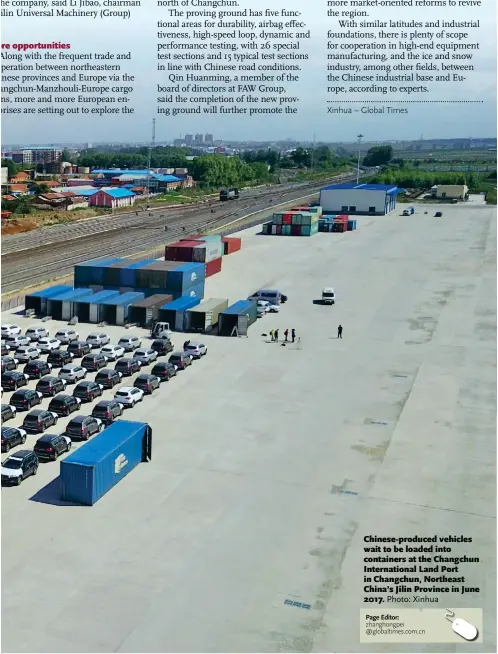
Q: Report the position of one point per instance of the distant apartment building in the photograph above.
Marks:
(208, 139)
(199, 139)
(189, 139)
(35, 155)
(178, 143)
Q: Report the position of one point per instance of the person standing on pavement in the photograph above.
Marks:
(339, 331)
(276, 335)
(272, 335)
(286, 334)
(293, 334)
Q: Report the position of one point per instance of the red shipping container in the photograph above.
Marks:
(231, 244)
(213, 267)
(287, 219)
(341, 218)
(296, 230)
(278, 230)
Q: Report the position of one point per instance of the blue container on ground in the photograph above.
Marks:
(91, 471)
(38, 300)
(175, 312)
(185, 277)
(127, 276)
(229, 318)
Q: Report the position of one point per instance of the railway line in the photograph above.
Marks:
(62, 233)
(24, 268)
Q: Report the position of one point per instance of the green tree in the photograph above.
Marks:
(40, 189)
(11, 166)
(379, 155)
(65, 156)
(23, 206)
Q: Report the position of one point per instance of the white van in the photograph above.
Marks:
(270, 295)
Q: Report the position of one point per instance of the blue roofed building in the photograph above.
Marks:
(359, 199)
(113, 198)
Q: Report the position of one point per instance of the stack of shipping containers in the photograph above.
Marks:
(208, 250)
(302, 221)
(336, 223)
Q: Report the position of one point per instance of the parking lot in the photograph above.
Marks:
(243, 505)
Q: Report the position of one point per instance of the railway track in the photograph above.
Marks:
(47, 262)
(62, 233)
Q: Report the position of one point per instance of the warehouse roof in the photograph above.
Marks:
(388, 188)
(119, 171)
(119, 193)
(87, 191)
(166, 178)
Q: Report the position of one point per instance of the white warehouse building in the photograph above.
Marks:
(358, 199)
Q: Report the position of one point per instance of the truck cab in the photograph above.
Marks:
(328, 296)
(161, 330)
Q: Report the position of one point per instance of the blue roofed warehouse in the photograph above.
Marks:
(358, 199)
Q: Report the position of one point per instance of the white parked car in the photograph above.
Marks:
(130, 343)
(48, 344)
(145, 355)
(97, 339)
(112, 352)
(67, 335)
(196, 350)
(128, 396)
(72, 373)
(10, 330)
(35, 333)
(27, 352)
(13, 342)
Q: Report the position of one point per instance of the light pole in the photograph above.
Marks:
(360, 136)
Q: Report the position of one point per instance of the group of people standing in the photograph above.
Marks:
(274, 335)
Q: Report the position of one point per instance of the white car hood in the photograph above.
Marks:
(11, 472)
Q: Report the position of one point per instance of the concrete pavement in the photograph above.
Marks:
(243, 505)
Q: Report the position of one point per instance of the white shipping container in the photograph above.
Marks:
(273, 229)
(208, 252)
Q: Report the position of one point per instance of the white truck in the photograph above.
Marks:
(328, 296)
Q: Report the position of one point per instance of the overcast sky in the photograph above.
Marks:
(139, 36)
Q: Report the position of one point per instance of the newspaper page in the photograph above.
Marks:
(248, 326)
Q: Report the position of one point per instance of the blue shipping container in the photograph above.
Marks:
(240, 307)
(193, 291)
(128, 277)
(91, 471)
(175, 313)
(92, 272)
(185, 277)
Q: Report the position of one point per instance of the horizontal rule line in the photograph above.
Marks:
(408, 101)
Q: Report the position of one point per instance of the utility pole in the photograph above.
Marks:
(313, 155)
(151, 147)
(360, 136)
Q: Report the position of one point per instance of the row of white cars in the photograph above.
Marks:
(49, 446)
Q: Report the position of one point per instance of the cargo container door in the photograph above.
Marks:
(208, 321)
(147, 445)
(242, 325)
(149, 315)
